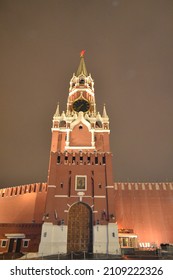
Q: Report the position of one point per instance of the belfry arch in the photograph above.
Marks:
(79, 236)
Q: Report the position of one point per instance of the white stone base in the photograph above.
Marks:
(105, 239)
(53, 239)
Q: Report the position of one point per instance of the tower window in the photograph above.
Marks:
(25, 243)
(58, 159)
(82, 82)
(81, 159)
(98, 124)
(66, 159)
(40, 188)
(3, 243)
(62, 124)
(61, 185)
(96, 160)
(100, 186)
(103, 160)
(30, 189)
(80, 127)
(88, 159)
(73, 159)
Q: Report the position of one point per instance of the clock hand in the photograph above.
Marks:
(80, 107)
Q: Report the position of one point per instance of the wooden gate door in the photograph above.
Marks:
(79, 228)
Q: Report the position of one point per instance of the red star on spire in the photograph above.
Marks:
(82, 53)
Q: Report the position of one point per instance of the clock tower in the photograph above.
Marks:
(80, 207)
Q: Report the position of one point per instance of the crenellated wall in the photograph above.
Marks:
(147, 209)
(23, 204)
(144, 208)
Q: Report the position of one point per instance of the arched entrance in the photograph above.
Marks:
(79, 237)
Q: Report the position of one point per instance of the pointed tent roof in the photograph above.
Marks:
(57, 113)
(82, 68)
(104, 115)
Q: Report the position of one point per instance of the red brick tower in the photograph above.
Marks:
(80, 211)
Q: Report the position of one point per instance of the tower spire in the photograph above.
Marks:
(57, 113)
(104, 115)
(82, 68)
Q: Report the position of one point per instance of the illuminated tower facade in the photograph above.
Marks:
(80, 207)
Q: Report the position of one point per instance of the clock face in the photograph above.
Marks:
(81, 105)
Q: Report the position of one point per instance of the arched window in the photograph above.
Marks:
(82, 81)
(62, 124)
(98, 124)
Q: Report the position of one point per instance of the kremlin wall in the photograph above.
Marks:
(21, 217)
(145, 209)
(142, 212)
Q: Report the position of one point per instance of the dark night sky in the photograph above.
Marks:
(129, 52)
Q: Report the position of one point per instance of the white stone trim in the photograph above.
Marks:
(81, 119)
(90, 129)
(79, 147)
(51, 186)
(59, 129)
(101, 130)
(99, 196)
(109, 187)
(60, 195)
(86, 196)
(81, 193)
(15, 235)
(83, 90)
